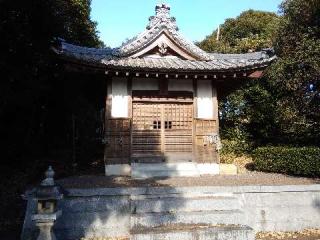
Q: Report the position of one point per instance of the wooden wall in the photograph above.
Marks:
(118, 131)
(118, 134)
(204, 152)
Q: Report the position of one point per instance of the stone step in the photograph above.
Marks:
(177, 203)
(184, 166)
(205, 217)
(158, 194)
(142, 174)
(144, 170)
(194, 232)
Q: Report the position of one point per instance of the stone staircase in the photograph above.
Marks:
(191, 216)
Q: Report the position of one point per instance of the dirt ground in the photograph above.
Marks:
(308, 234)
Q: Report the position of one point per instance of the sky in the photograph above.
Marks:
(119, 20)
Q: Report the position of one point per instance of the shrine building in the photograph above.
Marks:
(161, 112)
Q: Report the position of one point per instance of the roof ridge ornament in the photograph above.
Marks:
(162, 18)
(163, 9)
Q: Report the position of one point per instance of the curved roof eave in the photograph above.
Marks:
(131, 55)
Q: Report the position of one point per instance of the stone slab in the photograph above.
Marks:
(118, 170)
(228, 169)
(205, 217)
(144, 170)
(208, 169)
(124, 191)
(195, 204)
(197, 233)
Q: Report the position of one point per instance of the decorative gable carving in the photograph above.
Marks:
(163, 49)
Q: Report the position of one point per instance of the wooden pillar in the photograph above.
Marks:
(215, 105)
(130, 114)
(107, 117)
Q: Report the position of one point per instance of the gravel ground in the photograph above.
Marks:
(249, 178)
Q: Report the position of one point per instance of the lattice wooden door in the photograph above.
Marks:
(178, 129)
(146, 130)
(162, 130)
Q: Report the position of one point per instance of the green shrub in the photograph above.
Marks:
(288, 160)
(235, 147)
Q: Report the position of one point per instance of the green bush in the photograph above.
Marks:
(303, 161)
(235, 147)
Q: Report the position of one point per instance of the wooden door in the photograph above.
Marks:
(146, 130)
(162, 131)
(178, 125)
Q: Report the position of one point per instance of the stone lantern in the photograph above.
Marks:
(47, 196)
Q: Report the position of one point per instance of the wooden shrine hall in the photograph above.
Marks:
(162, 98)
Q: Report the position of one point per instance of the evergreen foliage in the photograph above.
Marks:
(251, 31)
(295, 76)
(283, 106)
(294, 161)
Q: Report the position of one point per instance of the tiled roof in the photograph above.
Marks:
(220, 62)
(185, 65)
(123, 57)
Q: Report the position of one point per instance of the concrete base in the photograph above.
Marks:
(150, 170)
(131, 212)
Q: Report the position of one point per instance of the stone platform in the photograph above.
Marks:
(169, 170)
(168, 212)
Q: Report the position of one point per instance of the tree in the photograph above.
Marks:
(247, 113)
(29, 71)
(251, 31)
(35, 106)
(295, 76)
(283, 107)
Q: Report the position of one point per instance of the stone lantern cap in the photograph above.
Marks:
(48, 189)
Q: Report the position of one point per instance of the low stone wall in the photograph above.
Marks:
(107, 212)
